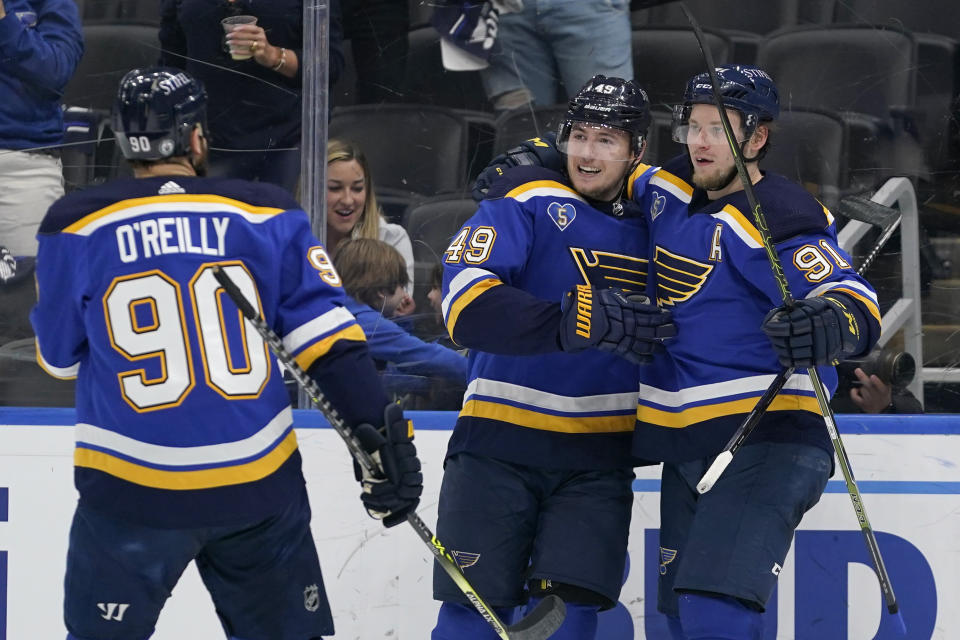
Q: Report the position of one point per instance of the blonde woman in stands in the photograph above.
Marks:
(352, 210)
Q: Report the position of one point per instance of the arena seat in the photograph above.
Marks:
(664, 57)
(873, 90)
(410, 147)
(811, 147)
(517, 125)
(935, 25)
(120, 12)
(744, 23)
(110, 51)
(431, 225)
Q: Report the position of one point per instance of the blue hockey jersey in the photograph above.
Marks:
(505, 273)
(710, 269)
(182, 413)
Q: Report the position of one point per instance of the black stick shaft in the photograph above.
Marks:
(356, 449)
(781, 279)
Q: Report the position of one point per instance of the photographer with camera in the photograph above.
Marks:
(877, 384)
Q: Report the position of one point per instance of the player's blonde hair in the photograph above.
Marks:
(368, 226)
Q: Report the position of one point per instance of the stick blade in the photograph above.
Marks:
(542, 622)
(865, 210)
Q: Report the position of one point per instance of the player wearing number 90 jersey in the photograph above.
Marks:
(129, 305)
(185, 444)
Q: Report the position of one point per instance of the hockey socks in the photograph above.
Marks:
(463, 622)
(718, 617)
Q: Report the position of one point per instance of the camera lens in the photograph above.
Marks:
(900, 369)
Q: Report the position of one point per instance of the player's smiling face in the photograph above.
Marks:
(597, 159)
(346, 195)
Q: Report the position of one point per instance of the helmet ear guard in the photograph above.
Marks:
(156, 111)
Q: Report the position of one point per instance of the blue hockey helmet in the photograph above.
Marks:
(609, 102)
(744, 88)
(155, 112)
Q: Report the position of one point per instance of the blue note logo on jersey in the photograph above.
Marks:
(666, 557)
(658, 205)
(561, 214)
(606, 269)
(678, 277)
(465, 559)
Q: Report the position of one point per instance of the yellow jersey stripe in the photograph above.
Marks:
(182, 202)
(743, 223)
(545, 422)
(187, 480)
(466, 298)
(636, 173)
(535, 188)
(321, 347)
(870, 304)
(694, 415)
(680, 187)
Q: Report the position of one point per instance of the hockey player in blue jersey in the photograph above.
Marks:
(721, 552)
(537, 489)
(185, 448)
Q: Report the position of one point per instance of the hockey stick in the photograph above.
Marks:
(782, 284)
(853, 207)
(864, 210)
(548, 615)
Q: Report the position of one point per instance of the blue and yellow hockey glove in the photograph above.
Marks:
(537, 152)
(613, 320)
(816, 331)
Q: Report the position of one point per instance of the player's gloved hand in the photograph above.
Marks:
(537, 152)
(623, 323)
(815, 331)
(391, 496)
(8, 265)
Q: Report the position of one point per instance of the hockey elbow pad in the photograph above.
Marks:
(615, 321)
(815, 331)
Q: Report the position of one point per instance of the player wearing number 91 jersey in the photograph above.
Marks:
(185, 443)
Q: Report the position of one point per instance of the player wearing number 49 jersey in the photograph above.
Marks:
(185, 447)
(537, 494)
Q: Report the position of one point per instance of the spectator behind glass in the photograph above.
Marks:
(540, 44)
(41, 42)
(255, 104)
(374, 277)
(352, 210)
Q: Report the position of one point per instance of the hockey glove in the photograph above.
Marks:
(537, 152)
(8, 265)
(814, 332)
(391, 496)
(613, 320)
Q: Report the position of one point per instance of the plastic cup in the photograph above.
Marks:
(238, 53)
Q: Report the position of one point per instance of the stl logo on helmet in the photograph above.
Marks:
(170, 84)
